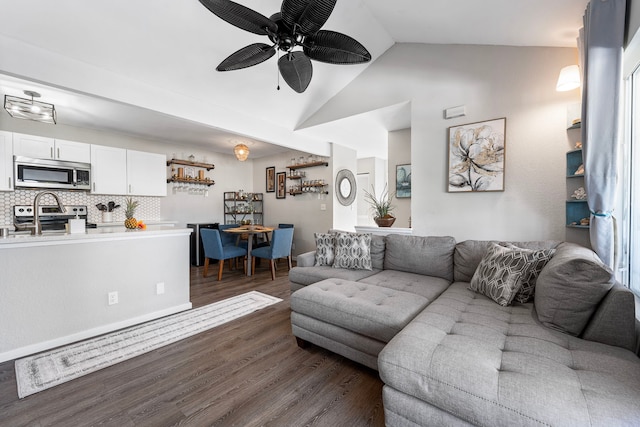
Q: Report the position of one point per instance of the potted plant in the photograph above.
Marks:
(381, 207)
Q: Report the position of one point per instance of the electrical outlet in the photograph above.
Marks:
(323, 207)
(160, 288)
(113, 297)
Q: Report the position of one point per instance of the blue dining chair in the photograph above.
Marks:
(214, 249)
(280, 247)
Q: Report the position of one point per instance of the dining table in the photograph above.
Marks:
(250, 230)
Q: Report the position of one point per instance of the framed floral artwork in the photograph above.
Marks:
(476, 156)
(281, 185)
(270, 179)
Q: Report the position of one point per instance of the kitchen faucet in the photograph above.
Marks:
(37, 226)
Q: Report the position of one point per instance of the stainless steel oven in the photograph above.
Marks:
(56, 174)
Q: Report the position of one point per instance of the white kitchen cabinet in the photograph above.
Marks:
(72, 151)
(108, 170)
(40, 147)
(6, 161)
(146, 173)
(37, 147)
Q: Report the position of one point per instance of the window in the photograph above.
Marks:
(630, 198)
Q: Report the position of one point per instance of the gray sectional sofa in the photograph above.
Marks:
(452, 356)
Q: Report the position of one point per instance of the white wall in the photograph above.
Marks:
(399, 154)
(492, 81)
(344, 217)
(304, 210)
(376, 169)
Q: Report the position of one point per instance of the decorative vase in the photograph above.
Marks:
(385, 222)
(107, 216)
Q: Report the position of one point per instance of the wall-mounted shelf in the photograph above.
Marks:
(208, 182)
(310, 188)
(308, 165)
(207, 166)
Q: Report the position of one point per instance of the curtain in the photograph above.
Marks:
(602, 42)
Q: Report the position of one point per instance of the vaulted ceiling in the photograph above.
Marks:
(148, 67)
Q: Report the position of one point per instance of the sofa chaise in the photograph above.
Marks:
(449, 355)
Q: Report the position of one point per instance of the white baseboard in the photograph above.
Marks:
(90, 333)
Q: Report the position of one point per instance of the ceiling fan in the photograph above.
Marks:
(297, 24)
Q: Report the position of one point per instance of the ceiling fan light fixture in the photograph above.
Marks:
(30, 109)
(241, 151)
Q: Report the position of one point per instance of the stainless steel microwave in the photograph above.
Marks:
(45, 173)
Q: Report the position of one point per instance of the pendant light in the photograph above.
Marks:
(241, 151)
(30, 109)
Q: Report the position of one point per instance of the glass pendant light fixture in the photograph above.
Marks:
(30, 109)
(241, 151)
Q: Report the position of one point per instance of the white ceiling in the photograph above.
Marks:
(147, 67)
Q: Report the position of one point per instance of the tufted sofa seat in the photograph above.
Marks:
(482, 361)
(364, 317)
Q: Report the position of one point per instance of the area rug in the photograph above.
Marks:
(45, 370)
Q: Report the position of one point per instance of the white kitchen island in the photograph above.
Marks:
(54, 288)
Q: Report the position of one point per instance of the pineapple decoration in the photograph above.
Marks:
(130, 210)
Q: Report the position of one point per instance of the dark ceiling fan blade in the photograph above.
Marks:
(240, 16)
(247, 56)
(335, 48)
(309, 15)
(296, 70)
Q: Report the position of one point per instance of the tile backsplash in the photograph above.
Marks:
(148, 207)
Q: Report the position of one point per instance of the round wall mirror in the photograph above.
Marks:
(346, 187)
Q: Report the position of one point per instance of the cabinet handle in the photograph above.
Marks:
(94, 186)
(58, 152)
(129, 188)
(9, 182)
(51, 150)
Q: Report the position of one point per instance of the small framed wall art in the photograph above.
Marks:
(270, 179)
(403, 181)
(281, 185)
(477, 156)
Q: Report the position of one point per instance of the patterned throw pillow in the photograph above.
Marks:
(324, 249)
(501, 273)
(542, 257)
(353, 251)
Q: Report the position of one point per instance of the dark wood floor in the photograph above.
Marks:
(248, 372)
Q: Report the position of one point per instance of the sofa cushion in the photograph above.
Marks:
(542, 257)
(308, 275)
(370, 310)
(570, 288)
(468, 254)
(500, 273)
(429, 256)
(325, 243)
(427, 286)
(494, 365)
(352, 251)
(377, 249)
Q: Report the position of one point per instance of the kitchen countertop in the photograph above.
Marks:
(22, 239)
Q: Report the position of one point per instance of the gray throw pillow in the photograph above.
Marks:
(570, 288)
(541, 258)
(501, 272)
(352, 251)
(325, 243)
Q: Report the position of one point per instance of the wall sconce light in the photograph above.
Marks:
(29, 109)
(569, 78)
(241, 151)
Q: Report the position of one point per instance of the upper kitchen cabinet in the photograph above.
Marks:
(146, 174)
(39, 147)
(108, 170)
(6, 161)
(72, 151)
